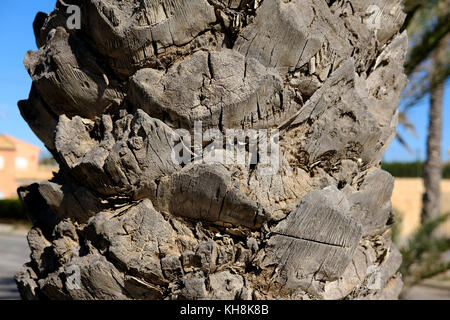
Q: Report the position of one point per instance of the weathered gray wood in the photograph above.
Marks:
(371, 204)
(138, 239)
(107, 100)
(139, 28)
(316, 240)
(127, 158)
(184, 193)
(221, 89)
(69, 79)
(39, 117)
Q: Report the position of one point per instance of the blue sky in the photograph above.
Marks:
(418, 115)
(16, 36)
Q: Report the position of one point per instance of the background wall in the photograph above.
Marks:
(407, 199)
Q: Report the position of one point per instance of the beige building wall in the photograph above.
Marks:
(19, 165)
(407, 198)
(8, 185)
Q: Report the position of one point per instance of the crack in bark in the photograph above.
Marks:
(310, 240)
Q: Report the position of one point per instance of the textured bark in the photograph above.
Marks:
(107, 98)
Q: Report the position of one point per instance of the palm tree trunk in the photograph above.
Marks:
(123, 220)
(433, 166)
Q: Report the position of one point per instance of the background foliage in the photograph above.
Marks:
(411, 169)
(12, 210)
